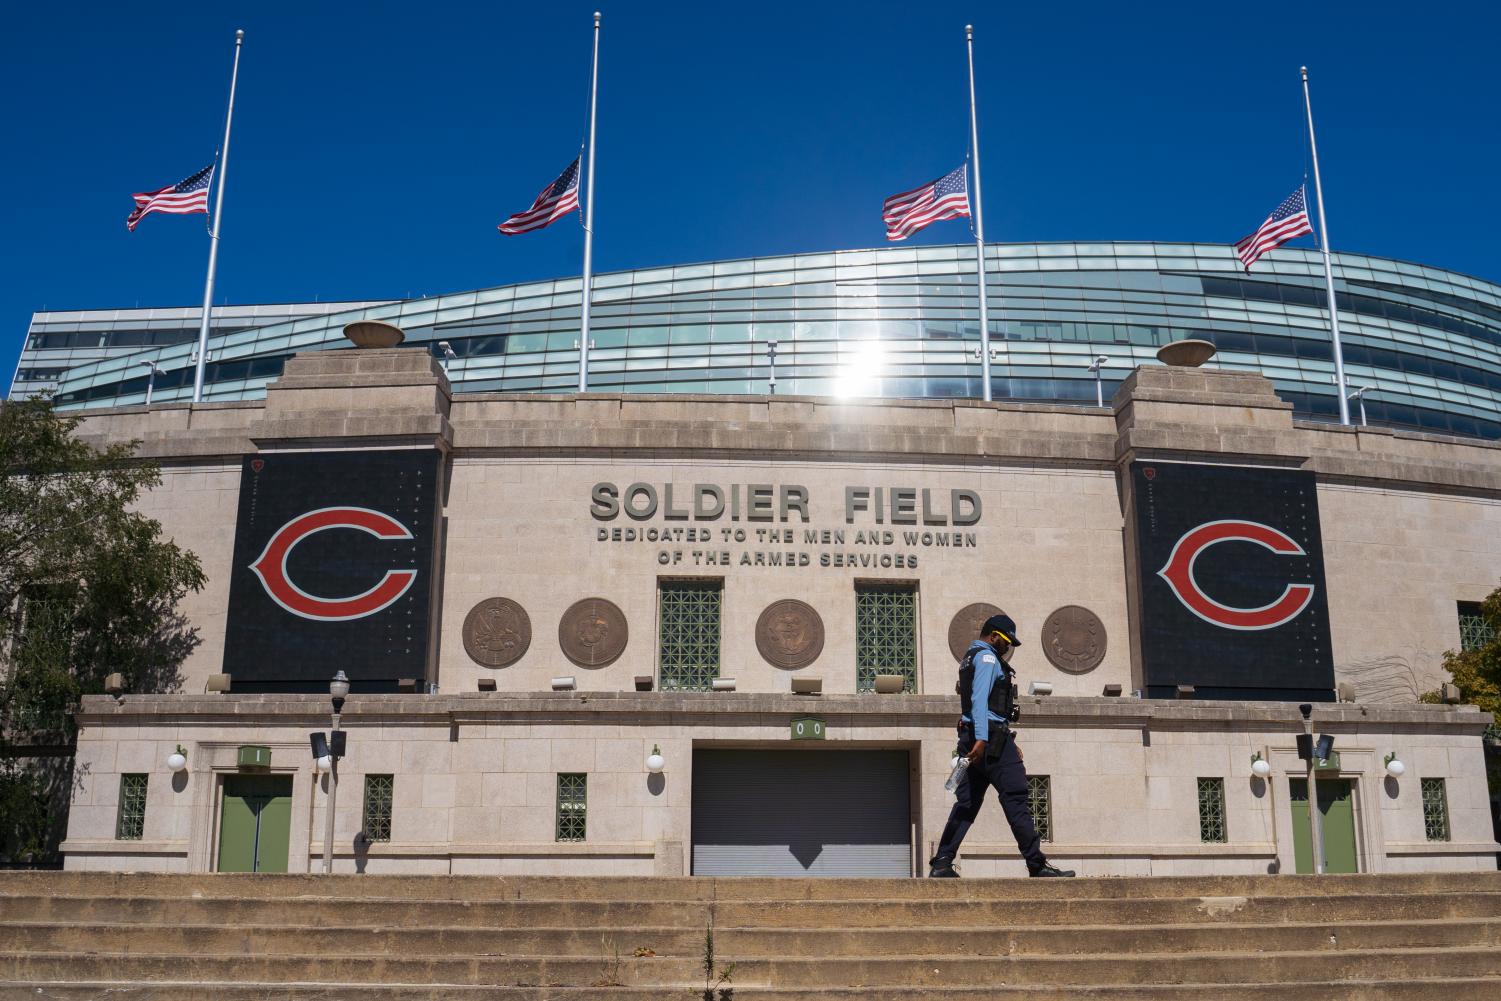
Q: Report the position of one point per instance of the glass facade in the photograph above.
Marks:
(901, 322)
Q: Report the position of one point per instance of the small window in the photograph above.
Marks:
(1474, 631)
(688, 644)
(379, 791)
(1212, 810)
(1040, 802)
(885, 634)
(131, 821)
(572, 806)
(1435, 810)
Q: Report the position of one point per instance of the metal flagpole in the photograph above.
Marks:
(213, 236)
(974, 139)
(588, 284)
(1318, 188)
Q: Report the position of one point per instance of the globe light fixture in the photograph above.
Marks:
(325, 764)
(178, 759)
(1260, 767)
(654, 761)
(1394, 765)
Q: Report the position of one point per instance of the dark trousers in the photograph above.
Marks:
(1001, 767)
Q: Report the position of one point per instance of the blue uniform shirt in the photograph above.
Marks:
(989, 671)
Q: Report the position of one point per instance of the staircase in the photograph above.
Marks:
(73, 936)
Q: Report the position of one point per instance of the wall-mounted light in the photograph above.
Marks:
(1260, 767)
(1040, 688)
(654, 761)
(723, 684)
(563, 684)
(178, 759)
(1394, 765)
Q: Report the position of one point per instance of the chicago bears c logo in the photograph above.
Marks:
(271, 565)
(1179, 574)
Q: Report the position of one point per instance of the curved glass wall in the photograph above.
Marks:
(903, 322)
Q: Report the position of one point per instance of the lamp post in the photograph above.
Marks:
(448, 353)
(338, 688)
(1099, 389)
(1359, 397)
(1315, 822)
(150, 379)
(771, 361)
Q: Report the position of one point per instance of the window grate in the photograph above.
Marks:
(1474, 631)
(688, 647)
(379, 793)
(885, 634)
(1435, 810)
(572, 806)
(1212, 810)
(1040, 802)
(130, 823)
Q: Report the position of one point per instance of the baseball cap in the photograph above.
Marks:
(1002, 624)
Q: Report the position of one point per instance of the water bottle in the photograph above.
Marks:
(958, 767)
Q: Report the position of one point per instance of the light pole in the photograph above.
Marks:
(771, 360)
(1315, 821)
(1099, 389)
(338, 689)
(1359, 397)
(150, 379)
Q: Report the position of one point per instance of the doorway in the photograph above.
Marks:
(1337, 811)
(255, 823)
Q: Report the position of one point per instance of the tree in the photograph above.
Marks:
(89, 587)
(1477, 673)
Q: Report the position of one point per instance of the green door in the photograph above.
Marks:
(255, 825)
(1337, 810)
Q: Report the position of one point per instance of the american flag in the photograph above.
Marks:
(557, 199)
(1288, 220)
(910, 211)
(183, 198)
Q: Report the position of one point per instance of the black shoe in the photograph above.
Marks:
(940, 869)
(1048, 869)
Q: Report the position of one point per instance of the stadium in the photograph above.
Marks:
(1422, 343)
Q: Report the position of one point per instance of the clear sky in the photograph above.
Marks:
(377, 145)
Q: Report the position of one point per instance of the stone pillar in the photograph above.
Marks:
(1180, 414)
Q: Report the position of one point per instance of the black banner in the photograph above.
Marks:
(333, 569)
(1231, 577)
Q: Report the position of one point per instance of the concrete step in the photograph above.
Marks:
(865, 913)
(1391, 989)
(601, 943)
(670, 974)
(475, 888)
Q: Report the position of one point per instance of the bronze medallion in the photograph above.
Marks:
(1073, 638)
(965, 627)
(497, 632)
(789, 634)
(592, 632)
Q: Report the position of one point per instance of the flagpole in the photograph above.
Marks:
(213, 236)
(588, 284)
(974, 139)
(1318, 188)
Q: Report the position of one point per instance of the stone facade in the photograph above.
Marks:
(1409, 526)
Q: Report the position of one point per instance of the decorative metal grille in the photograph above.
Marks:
(885, 634)
(572, 806)
(131, 821)
(1474, 631)
(1040, 802)
(689, 639)
(1212, 810)
(379, 792)
(1435, 810)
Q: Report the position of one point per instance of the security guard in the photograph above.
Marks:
(988, 697)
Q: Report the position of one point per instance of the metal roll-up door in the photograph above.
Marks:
(801, 813)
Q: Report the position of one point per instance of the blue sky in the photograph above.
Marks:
(377, 145)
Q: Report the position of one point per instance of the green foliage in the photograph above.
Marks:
(87, 587)
(1477, 673)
